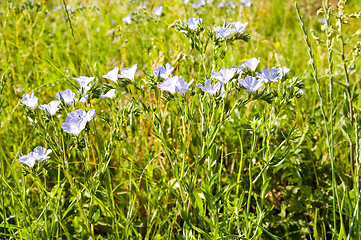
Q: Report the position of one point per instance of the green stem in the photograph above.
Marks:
(78, 202)
(348, 93)
(250, 172)
(318, 89)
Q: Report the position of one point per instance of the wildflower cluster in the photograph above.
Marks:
(179, 142)
(76, 120)
(230, 32)
(238, 74)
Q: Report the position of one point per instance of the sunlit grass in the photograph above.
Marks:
(157, 165)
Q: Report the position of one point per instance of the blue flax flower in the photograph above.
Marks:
(224, 75)
(51, 108)
(223, 31)
(67, 96)
(28, 159)
(87, 116)
(30, 100)
(163, 72)
(128, 72)
(199, 4)
(193, 23)
(251, 83)
(239, 27)
(112, 74)
(221, 4)
(83, 81)
(218, 88)
(239, 69)
(175, 84)
(269, 75)
(39, 154)
(252, 63)
(283, 71)
(76, 121)
(247, 3)
(230, 4)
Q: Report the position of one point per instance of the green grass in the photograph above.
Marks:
(157, 166)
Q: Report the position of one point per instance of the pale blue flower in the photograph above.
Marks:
(41, 153)
(128, 72)
(51, 108)
(199, 4)
(193, 23)
(67, 96)
(87, 116)
(90, 115)
(112, 74)
(73, 125)
(247, 3)
(269, 75)
(30, 100)
(224, 75)
(83, 81)
(230, 4)
(223, 31)
(283, 71)
(185, 1)
(251, 83)
(239, 69)
(109, 94)
(127, 19)
(163, 72)
(28, 159)
(221, 5)
(252, 63)
(175, 84)
(158, 11)
(224, 4)
(239, 27)
(218, 88)
(76, 121)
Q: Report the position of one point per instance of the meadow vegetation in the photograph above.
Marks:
(213, 145)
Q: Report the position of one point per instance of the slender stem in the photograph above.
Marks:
(3, 198)
(357, 177)
(78, 198)
(39, 183)
(318, 89)
(208, 125)
(348, 93)
(250, 173)
(222, 120)
(329, 45)
(240, 166)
